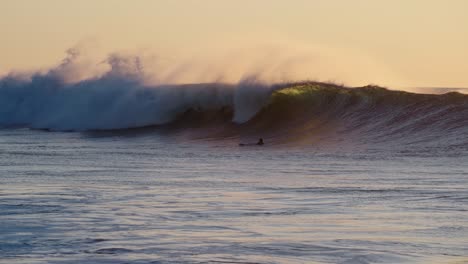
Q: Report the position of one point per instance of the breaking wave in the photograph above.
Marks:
(286, 112)
(117, 99)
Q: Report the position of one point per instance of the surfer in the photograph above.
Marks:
(259, 143)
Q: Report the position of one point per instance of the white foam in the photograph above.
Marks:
(118, 98)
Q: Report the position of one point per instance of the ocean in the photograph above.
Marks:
(97, 172)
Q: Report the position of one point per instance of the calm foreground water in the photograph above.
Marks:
(151, 197)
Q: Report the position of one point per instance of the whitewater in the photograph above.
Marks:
(114, 169)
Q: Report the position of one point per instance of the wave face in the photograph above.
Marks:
(322, 112)
(300, 112)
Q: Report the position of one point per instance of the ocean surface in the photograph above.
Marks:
(158, 196)
(111, 169)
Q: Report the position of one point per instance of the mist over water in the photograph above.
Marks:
(126, 91)
(115, 98)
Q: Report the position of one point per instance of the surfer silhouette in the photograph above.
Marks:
(259, 143)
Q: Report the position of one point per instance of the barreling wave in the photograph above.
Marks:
(308, 111)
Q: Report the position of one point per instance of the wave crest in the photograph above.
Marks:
(312, 111)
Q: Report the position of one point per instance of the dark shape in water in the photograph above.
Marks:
(259, 143)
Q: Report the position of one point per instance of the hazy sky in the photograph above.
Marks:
(421, 42)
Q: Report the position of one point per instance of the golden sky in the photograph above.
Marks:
(419, 42)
